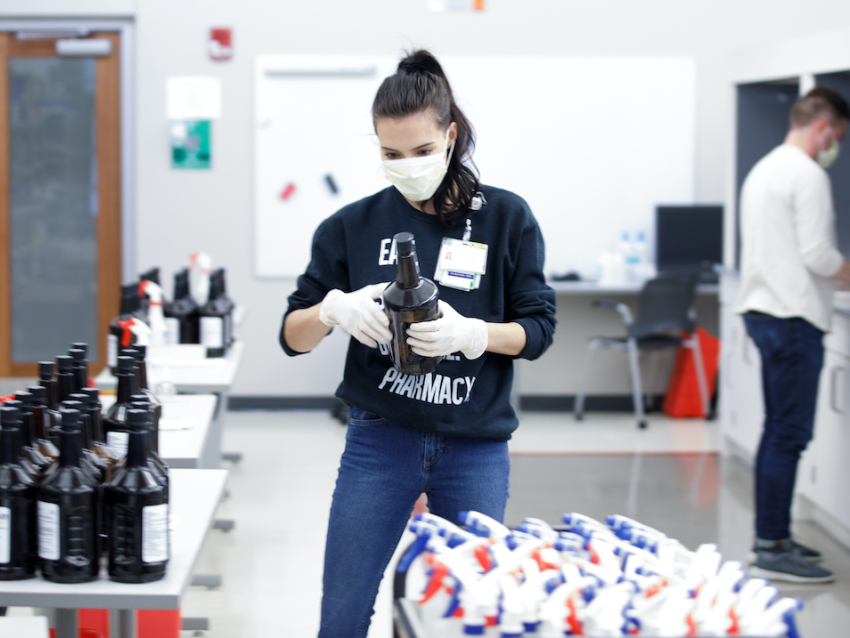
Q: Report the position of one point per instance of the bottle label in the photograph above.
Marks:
(5, 534)
(48, 530)
(112, 351)
(155, 533)
(118, 442)
(212, 332)
(172, 331)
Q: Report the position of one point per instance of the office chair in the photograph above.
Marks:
(666, 304)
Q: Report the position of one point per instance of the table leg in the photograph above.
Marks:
(66, 623)
(206, 580)
(123, 623)
(233, 457)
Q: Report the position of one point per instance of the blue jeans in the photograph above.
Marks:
(384, 469)
(791, 359)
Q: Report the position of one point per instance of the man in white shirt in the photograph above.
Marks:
(789, 265)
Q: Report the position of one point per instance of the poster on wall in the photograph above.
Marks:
(192, 103)
(190, 144)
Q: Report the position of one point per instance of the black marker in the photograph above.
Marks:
(329, 180)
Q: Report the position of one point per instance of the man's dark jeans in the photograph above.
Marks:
(792, 357)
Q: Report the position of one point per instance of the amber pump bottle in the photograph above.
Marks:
(411, 298)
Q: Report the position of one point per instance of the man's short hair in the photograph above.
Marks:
(817, 103)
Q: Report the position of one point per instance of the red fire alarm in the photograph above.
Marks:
(221, 47)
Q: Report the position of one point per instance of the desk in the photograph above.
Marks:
(593, 288)
(186, 448)
(202, 376)
(194, 498)
(24, 627)
(190, 376)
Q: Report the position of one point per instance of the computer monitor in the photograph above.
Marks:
(689, 238)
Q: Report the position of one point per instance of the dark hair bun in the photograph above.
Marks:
(421, 61)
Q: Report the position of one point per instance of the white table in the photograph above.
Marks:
(186, 448)
(202, 376)
(24, 627)
(190, 376)
(194, 495)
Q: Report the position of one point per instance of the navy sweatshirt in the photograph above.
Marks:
(353, 248)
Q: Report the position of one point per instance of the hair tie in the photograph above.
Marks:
(413, 67)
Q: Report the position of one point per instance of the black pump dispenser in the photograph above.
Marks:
(18, 540)
(67, 513)
(183, 309)
(28, 439)
(41, 421)
(136, 505)
(46, 380)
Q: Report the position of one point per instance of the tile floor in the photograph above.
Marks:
(670, 476)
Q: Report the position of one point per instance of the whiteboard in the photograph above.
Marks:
(592, 143)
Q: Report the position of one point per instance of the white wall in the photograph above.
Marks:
(181, 212)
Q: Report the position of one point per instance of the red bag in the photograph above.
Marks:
(683, 398)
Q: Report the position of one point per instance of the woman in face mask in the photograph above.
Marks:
(444, 433)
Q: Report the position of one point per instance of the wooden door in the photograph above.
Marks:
(57, 289)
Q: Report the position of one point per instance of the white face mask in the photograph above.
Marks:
(418, 178)
(827, 157)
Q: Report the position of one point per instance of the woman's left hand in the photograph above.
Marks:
(452, 332)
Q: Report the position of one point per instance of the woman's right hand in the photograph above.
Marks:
(358, 314)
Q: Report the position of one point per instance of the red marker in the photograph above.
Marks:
(288, 191)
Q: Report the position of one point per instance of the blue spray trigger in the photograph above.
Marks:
(454, 603)
(483, 531)
(530, 627)
(454, 540)
(567, 518)
(639, 571)
(462, 516)
(473, 630)
(553, 583)
(737, 587)
(790, 620)
(623, 536)
(588, 593)
(610, 521)
(512, 542)
(416, 548)
(640, 543)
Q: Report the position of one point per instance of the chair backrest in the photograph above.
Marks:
(666, 303)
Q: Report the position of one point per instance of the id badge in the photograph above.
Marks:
(461, 264)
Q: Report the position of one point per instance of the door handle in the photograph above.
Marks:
(83, 47)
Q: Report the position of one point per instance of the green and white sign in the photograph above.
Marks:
(190, 144)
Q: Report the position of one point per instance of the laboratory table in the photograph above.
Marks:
(184, 440)
(194, 497)
(595, 288)
(189, 376)
(24, 627)
(196, 376)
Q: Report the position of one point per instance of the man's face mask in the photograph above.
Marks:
(827, 156)
(418, 178)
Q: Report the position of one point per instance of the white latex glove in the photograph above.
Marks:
(452, 332)
(358, 314)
